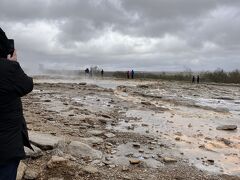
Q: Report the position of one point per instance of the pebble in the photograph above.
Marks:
(136, 145)
(30, 174)
(227, 127)
(109, 135)
(90, 170)
(169, 160)
(134, 161)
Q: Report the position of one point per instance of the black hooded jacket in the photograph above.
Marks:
(14, 84)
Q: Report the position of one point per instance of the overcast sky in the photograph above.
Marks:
(158, 35)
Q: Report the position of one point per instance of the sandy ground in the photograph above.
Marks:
(169, 128)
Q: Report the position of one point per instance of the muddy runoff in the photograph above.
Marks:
(117, 129)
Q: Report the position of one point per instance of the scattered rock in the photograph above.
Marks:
(79, 149)
(151, 148)
(146, 103)
(92, 140)
(30, 174)
(177, 138)
(96, 132)
(82, 84)
(125, 168)
(47, 100)
(109, 135)
(44, 141)
(189, 125)
(56, 160)
(21, 170)
(131, 127)
(106, 116)
(90, 169)
(169, 160)
(227, 127)
(141, 150)
(226, 141)
(210, 161)
(33, 154)
(134, 161)
(136, 145)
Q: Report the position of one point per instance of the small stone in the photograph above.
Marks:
(169, 160)
(189, 125)
(210, 162)
(136, 145)
(31, 174)
(125, 168)
(151, 148)
(134, 161)
(111, 166)
(47, 100)
(130, 127)
(82, 84)
(33, 154)
(56, 160)
(21, 170)
(141, 150)
(177, 139)
(90, 170)
(96, 132)
(109, 135)
(227, 127)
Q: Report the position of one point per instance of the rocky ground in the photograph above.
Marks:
(140, 130)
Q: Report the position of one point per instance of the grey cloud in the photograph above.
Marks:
(150, 34)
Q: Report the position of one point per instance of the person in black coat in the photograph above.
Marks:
(14, 84)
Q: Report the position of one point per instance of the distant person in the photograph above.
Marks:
(86, 72)
(198, 79)
(102, 73)
(128, 74)
(14, 84)
(132, 74)
(193, 79)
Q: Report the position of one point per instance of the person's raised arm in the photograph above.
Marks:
(22, 83)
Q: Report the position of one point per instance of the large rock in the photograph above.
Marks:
(227, 127)
(33, 154)
(44, 141)
(21, 170)
(92, 140)
(82, 150)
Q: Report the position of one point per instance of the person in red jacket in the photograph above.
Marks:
(14, 84)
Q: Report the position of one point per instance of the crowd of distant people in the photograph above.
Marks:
(90, 72)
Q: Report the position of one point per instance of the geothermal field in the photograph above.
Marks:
(131, 129)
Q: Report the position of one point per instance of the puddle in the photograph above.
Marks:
(196, 130)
